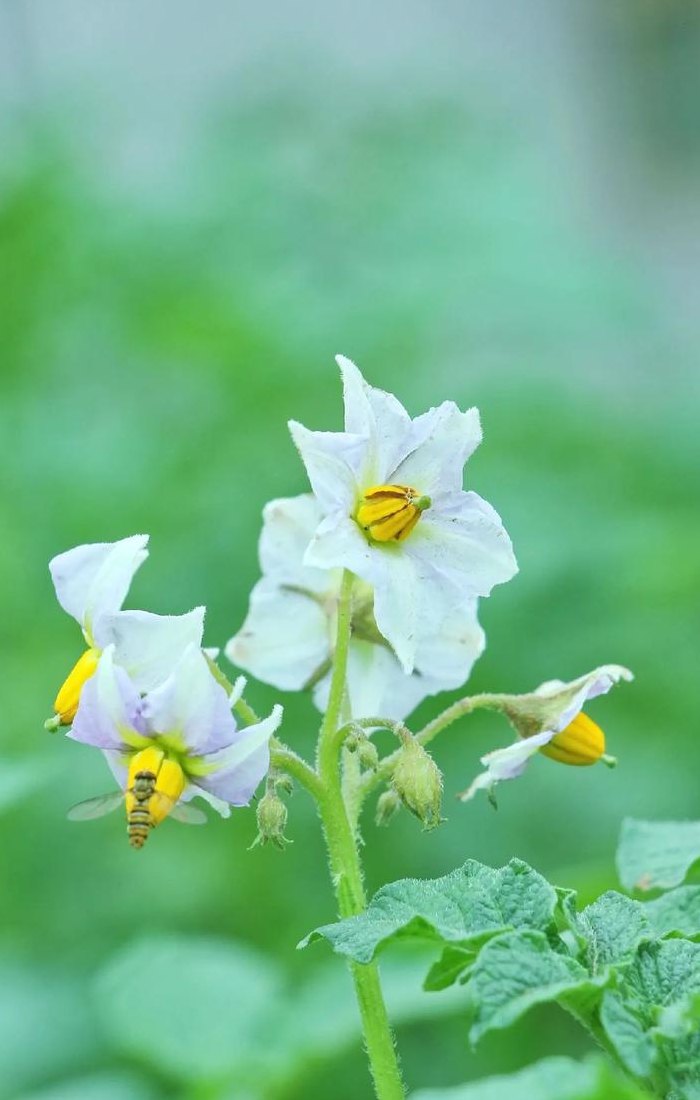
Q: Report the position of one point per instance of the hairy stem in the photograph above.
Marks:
(346, 871)
(423, 737)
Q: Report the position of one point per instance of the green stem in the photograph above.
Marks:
(346, 871)
(423, 737)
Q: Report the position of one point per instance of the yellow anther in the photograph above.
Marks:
(390, 512)
(68, 697)
(168, 782)
(169, 786)
(581, 743)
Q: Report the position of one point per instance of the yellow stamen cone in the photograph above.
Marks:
(66, 703)
(580, 744)
(390, 512)
(169, 786)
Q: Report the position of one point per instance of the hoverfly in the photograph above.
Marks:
(146, 807)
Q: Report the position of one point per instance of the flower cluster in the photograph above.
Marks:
(388, 505)
(144, 692)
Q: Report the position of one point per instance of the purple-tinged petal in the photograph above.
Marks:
(191, 707)
(110, 710)
(240, 768)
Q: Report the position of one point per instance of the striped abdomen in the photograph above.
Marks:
(139, 821)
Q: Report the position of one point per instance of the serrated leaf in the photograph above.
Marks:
(678, 911)
(468, 906)
(518, 970)
(611, 929)
(664, 972)
(551, 1079)
(656, 855)
(649, 1018)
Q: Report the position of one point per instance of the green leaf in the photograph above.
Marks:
(656, 855)
(664, 972)
(678, 911)
(451, 965)
(552, 1079)
(611, 929)
(518, 970)
(468, 906)
(651, 1019)
(628, 1034)
(194, 1008)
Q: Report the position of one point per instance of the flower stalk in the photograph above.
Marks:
(346, 871)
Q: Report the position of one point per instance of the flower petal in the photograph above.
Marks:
(446, 657)
(332, 460)
(380, 419)
(376, 684)
(447, 438)
(462, 538)
(192, 707)
(94, 579)
(110, 709)
(241, 767)
(149, 646)
(288, 527)
(508, 763)
(561, 702)
(284, 639)
(409, 598)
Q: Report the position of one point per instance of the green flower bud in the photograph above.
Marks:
(367, 754)
(388, 804)
(418, 782)
(272, 820)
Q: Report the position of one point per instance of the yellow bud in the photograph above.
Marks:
(68, 697)
(388, 513)
(581, 743)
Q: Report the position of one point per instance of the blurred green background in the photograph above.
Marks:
(199, 206)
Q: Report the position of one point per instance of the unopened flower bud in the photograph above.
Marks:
(388, 805)
(272, 819)
(367, 754)
(418, 782)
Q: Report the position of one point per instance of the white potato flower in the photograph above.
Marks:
(396, 515)
(288, 635)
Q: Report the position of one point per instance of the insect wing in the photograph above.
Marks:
(96, 807)
(188, 815)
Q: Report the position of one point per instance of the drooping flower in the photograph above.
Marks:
(550, 720)
(183, 732)
(395, 512)
(91, 584)
(288, 636)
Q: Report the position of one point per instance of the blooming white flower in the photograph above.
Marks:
(288, 636)
(550, 720)
(185, 725)
(395, 512)
(91, 583)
